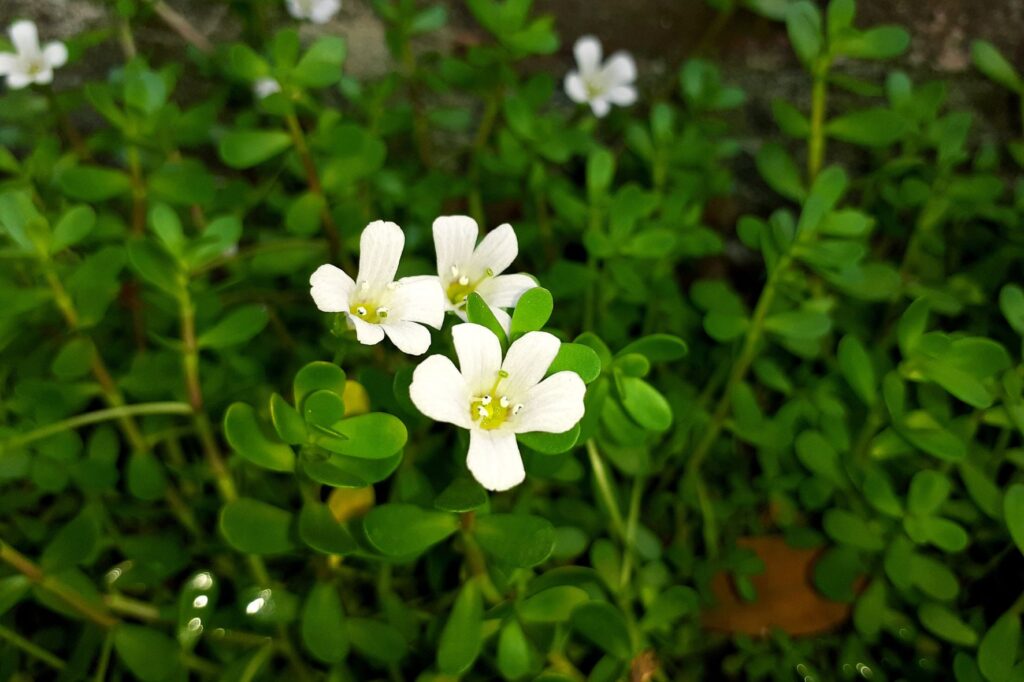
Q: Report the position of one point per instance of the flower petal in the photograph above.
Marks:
(527, 362)
(503, 318)
(44, 76)
(622, 95)
(419, 299)
(55, 54)
(494, 459)
(620, 69)
(479, 355)
(331, 289)
(440, 392)
(408, 337)
(552, 406)
(600, 106)
(368, 334)
(25, 38)
(380, 249)
(496, 252)
(18, 79)
(504, 291)
(575, 88)
(454, 239)
(324, 10)
(588, 54)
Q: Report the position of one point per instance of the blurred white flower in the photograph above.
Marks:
(601, 84)
(265, 87)
(30, 63)
(464, 267)
(317, 11)
(375, 304)
(497, 399)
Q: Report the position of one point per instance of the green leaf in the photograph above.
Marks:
(998, 649)
(799, 325)
(818, 455)
(245, 437)
(839, 17)
(551, 443)
(316, 376)
(645, 404)
(657, 348)
(74, 359)
(402, 530)
(603, 624)
(323, 408)
(803, 21)
(515, 658)
(240, 326)
(12, 590)
(827, 190)
(367, 436)
(518, 540)
(993, 64)
(287, 422)
(149, 654)
(165, 224)
(77, 542)
(304, 214)
(92, 183)
(579, 358)
(855, 364)
(74, 226)
(480, 313)
(600, 171)
(375, 640)
(850, 529)
(323, 624)
(1011, 302)
(461, 638)
(147, 479)
(912, 326)
(247, 148)
(553, 605)
(881, 42)
(779, 170)
(876, 127)
(320, 530)
(461, 495)
(321, 65)
(945, 624)
(255, 527)
(1013, 511)
(532, 311)
(929, 489)
(154, 265)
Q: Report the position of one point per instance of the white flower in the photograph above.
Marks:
(29, 63)
(495, 400)
(317, 11)
(464, 268)
(265, 87)
(375, 304)
(601, 85)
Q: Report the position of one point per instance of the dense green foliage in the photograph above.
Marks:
(202, 476)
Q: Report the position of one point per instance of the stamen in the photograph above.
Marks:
(482, 411)
(382, 312)
(455, 271)
(517, 409)
(365, 286)
(463, 281)
(504, 402)
(503, 374)
(392, 286)
(361, 311)
(486, 400)
(490, 273)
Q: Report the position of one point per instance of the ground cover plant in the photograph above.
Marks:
(450, 374)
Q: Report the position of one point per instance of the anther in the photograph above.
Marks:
(365, 286)
(382, 312)
(486, 400)
(490, 273)
(517, 409)
(455, 271)
(482, 411)
(392, 286)
(503, 374)
(361, 311)
(504, 402)
(463, 281)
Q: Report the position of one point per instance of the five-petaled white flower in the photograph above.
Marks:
(465, 268)
(600, 85)
(317, 11)
(497, 399)
(30, 63)
(375, 303)
(265, 87)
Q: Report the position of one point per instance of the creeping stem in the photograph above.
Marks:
(96, 417)
(819, 107)
(313, 181)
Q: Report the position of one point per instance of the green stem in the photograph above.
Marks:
(96, 613)
(604, 487)
(632, 521)
(819, 106)
(313, 181)
(95, 418)
(32, 649)
(475, 559)
(483, 134)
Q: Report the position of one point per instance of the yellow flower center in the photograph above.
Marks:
(461, 286)
(370, 312)
(492, 410)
